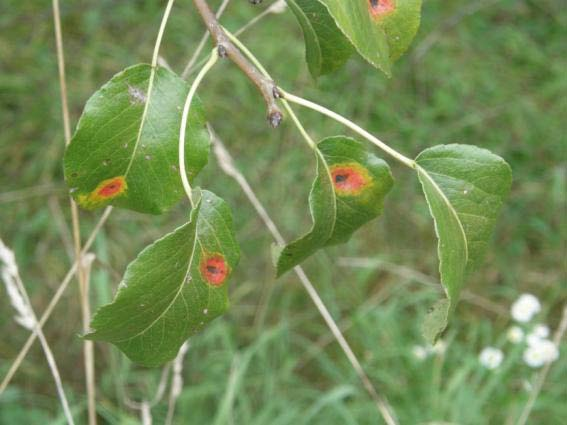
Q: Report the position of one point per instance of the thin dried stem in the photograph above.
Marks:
(54, 301)
(30, 192)
(422, 278)
(276, 7)
(28, 319)
(542, 376)
(81, 274)
(227, 165)
(88, 351)
(176, 382)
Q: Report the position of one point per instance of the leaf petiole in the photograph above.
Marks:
(285, 97)
(356, 128)
(204, 70)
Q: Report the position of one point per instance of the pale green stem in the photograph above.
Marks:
(160, 32)
(356, 128)
(206, 68)
(321, 109)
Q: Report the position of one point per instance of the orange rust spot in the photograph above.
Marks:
(349, 179)
(380, 8)
(106, 190)
(111, 188)
(214, 269)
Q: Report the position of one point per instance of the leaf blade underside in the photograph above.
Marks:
(465, 187)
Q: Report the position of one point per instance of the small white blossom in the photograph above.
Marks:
(525, 308)
(538, 333)
(537, 354)
(419, 352)
(541, 330)
(515, 335)
(491, 357)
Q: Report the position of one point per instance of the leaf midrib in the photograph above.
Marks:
(180, 291)
(449, 206)
(330, 177)
(143, 120)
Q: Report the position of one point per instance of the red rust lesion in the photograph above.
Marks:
(112, 188)
(380, 8)
(105, 191)
(349, 179)
(214, 269)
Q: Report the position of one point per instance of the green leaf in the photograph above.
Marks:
(380, 30)
(173, 288)
(124, 151)
(348, 192)
(465, 187)
(326, 47)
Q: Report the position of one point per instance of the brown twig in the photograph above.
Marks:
(228, 49)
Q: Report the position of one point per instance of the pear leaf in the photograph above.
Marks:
(380, 30)
(348, 192)
(173, 288)
(326, 47)
(465, 188)
(124, 150)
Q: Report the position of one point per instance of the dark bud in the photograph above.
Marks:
(275, 119)
(255, 2)
(221, 49)
(276, 93)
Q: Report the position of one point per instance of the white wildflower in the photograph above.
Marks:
(537, 354)
(538, 333)
(525, 308)
(491, 357)
(541, 331)
(515, 335)
(420, 352)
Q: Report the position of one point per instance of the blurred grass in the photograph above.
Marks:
(495, 78)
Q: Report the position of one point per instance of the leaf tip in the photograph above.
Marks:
(436, 320)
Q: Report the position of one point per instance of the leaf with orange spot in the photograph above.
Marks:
(380, 30)
(348, 192)
(173, 288)
(326, 47)
(129, 134)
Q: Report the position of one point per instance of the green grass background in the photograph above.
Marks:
(489, 73)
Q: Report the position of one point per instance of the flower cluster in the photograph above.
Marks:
(491, 357)
(539, 349)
